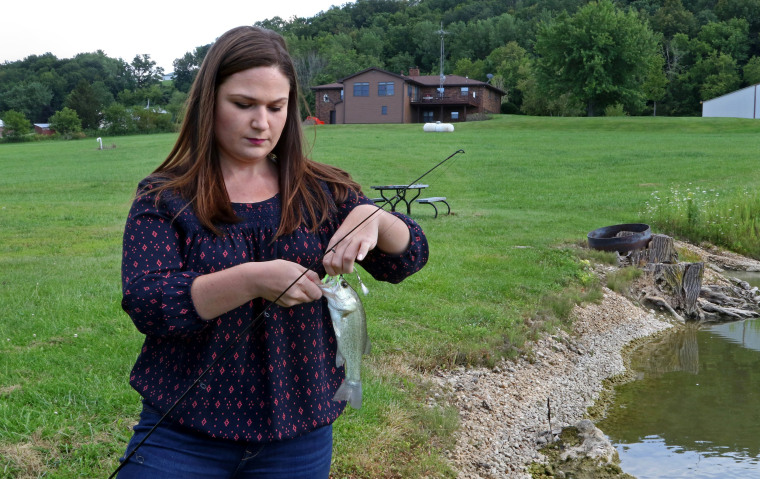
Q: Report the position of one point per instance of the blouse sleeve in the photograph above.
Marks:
(155, 287)
(389, 267)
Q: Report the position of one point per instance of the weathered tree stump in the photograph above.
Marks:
(662, 249)
(677, 287)
(682, 282)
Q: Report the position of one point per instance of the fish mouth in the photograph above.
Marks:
(330, 284)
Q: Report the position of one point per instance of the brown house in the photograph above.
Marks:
(379, 96)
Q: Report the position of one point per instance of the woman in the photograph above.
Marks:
(229, 221)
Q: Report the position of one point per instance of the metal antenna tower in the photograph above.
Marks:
(441, 32)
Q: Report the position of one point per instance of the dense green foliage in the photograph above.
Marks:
(688, 52)
(526, 190)
(600, 56)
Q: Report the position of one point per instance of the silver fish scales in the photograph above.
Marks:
(350, 325)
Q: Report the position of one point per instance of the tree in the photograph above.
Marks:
(471, 69)
(655, 82)
(752, 71)
(118, 120)
(512, 64)
(17, 126)
(673, 18)
(84, 100)
(717, 74)
(145, 72)
(730, 37)
(176, 106)
(32, 99)
(66, 122)
(600, 55)
(186, 68)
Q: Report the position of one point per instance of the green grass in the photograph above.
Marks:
(525, 190)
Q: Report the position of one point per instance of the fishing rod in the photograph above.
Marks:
(257, 321)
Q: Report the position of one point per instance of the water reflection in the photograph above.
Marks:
(695, 410)
(744, 333)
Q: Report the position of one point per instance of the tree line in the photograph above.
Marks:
(550, 57)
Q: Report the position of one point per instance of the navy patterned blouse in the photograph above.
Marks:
(279, 382)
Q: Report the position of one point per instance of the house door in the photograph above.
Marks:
(332, 117)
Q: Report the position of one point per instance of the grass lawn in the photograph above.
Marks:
(524, 191)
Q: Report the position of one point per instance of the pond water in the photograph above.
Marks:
(694, 410)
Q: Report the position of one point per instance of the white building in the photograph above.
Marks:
(744, 103)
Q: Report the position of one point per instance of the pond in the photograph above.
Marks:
(694, 410)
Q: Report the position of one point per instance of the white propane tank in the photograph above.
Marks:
(438, 126)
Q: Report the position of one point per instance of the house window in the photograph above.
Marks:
(427, 116)
(384, 110)
(385, 89)
(454, 115)
(326, 98)
(361, 89)
(465, 90)
(413, 92)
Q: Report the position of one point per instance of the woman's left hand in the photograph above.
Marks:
(340, 258)
(381, 230)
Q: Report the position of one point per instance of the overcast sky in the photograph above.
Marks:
(165, 30)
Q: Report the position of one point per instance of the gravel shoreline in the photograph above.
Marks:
(503, 410)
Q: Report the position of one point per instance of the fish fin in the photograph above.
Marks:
(367, 347)
(339, 359)
(350, 391)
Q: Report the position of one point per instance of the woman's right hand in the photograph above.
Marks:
(278, 275)
(217, 293)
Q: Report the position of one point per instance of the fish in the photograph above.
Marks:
(350, 324)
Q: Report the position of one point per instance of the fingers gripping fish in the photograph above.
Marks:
(350, 325)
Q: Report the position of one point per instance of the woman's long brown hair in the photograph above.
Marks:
(192, 168)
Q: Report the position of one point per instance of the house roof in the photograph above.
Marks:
(374, 69)
(329, 86)
(421, 80)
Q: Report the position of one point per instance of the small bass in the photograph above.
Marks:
(350, 325)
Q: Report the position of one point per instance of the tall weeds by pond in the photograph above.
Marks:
(724, 217)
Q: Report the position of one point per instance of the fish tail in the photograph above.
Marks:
(350, 391)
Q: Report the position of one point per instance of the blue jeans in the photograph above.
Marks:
(172, 452)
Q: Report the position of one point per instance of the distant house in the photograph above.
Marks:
(43, 129)
(378, 96)
(744, 103)
(2, 128)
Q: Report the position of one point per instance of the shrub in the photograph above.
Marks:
(615, 110)
(17, 127)
(66, 123)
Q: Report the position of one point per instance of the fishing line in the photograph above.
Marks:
(257, 321)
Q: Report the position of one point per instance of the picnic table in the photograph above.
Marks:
(394, 194)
